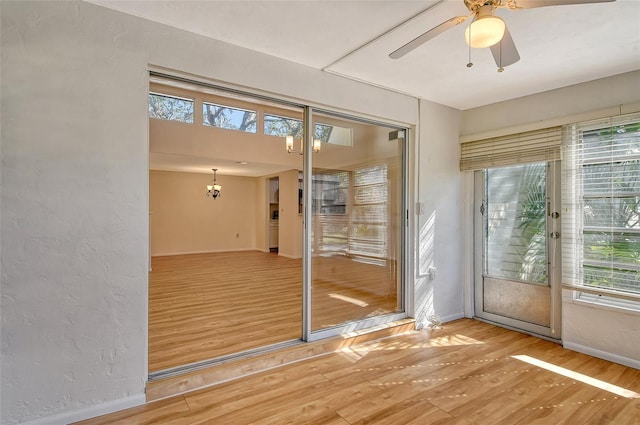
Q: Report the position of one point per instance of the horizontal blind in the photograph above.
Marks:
(601, 206)
(520, 148)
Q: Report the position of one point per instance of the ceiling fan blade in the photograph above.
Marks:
(530, 4)
(505, 52)
(421, 39)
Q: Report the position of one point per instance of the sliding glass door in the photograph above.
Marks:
(356, 206)
(304, 239)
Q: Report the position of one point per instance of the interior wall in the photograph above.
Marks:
(74, 212)
(185, 221)
(262, 211)
(289, 221)
(610, 337)
(594, 99)
(74, 192)
(438, 234)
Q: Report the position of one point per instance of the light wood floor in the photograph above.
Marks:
(465, 373)
(203, 306)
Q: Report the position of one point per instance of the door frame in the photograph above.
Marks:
(554, 272)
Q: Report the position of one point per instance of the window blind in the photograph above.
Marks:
(520, 148)
(601, 206)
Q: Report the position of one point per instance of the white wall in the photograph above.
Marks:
(555, 107)
(74, 192)
(609, 333)
(74, 213)
(185, 221)
(439, 229)
(605, 332)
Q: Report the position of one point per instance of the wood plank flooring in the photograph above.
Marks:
(467, 372)
(203, 306)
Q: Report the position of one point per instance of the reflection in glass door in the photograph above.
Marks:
(306, 236)
(356, 223)
(516, 248)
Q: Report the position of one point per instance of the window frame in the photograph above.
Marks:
(574, 167)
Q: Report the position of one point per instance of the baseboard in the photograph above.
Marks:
(169, 254)
(452, 317)
(293, 257)
(448, 318)
(625, 361)
(89, 412)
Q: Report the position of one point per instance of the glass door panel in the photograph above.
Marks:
(514, 285)
(356, 222)
(227, 271)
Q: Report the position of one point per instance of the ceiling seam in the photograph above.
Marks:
(378, 37)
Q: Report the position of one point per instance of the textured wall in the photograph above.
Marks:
(74, 214)
(438, 233)
(554, 106)
(602, 332)
(74, 190)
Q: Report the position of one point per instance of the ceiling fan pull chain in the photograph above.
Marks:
(469, 64)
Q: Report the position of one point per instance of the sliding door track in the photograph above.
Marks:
(242, 355)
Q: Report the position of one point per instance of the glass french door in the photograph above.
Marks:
(517, 247)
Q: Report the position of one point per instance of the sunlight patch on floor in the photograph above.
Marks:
(623, 392)
(351, 354)
(449, 341)
(349, 300)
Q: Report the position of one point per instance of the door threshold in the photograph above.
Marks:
(226, 369)
(513, 328)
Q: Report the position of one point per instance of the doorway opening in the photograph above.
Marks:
(232, 274)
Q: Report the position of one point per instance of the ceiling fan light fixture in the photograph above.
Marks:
(485, 31)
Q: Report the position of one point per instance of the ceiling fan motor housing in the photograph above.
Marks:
(475, 5)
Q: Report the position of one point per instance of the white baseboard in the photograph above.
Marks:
(626, 361)
(168, 254)
(449, 318)
(293, 257)
(452, 317)
(89, 412)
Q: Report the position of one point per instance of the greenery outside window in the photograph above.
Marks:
(172, 108)
(275, 125)
(601, 205)
(229, 118)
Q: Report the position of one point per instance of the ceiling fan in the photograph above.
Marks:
(486, 29)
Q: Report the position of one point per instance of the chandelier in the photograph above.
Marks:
(214, 190)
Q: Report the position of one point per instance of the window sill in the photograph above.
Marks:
(623, 307)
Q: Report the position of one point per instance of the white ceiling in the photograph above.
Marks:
(559, 46)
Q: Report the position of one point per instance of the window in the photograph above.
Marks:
(275, 125)
(330, 203)
(515, 223)
(165, 107)
(229, 118)
(334, 135)
(369, 232)
(601, 204)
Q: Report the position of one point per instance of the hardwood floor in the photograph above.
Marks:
(203, 306)
(468, 372)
